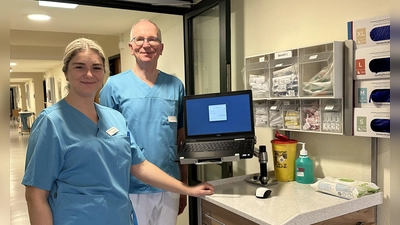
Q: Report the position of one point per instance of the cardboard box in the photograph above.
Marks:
(372, 63)
(372, 93)
(372, 122)
(370, 32)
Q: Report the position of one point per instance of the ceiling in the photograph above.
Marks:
(38, 46)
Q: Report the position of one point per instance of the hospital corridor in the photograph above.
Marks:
(18, 144)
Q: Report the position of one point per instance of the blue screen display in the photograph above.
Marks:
(218, 115)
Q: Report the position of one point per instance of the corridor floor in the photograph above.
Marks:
(18, 207)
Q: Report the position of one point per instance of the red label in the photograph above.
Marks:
(360, 67)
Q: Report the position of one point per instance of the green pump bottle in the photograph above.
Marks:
(304, 167)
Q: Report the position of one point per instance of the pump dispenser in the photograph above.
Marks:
(304, 167)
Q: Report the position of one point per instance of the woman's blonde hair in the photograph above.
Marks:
(80, 45)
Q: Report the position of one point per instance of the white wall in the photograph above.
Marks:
(58, 76)
(264, 26)
(30, 97)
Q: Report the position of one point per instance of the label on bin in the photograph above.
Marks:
(284, 153)
(280, 159)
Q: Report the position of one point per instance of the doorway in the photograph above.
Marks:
(11, 101)
(114, 64)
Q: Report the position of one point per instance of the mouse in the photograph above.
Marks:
(263, 192)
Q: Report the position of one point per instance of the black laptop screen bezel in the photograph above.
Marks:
(248, 134)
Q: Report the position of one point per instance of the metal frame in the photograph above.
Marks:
(120, 4)
(225, 43)
(225, 73)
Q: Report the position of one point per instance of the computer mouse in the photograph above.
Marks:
(263, 192)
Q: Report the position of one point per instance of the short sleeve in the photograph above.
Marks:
(137, 154)
(44, 158)
(106, 95)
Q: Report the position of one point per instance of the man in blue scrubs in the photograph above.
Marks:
(80, 154)
(151, 102)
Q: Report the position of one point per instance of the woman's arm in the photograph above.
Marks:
(151, 174)
(38, 206)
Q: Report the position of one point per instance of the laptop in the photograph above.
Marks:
(219, 127)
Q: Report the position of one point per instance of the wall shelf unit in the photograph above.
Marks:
(303, 89)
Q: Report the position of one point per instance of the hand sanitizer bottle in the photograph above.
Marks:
(304, 167)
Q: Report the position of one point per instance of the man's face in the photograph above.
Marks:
(145, 45)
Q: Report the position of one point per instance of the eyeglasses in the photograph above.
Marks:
(151, 40)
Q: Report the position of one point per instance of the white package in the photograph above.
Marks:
(345, 188)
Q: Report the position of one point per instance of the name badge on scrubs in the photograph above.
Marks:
(172, 119)
(112, 131)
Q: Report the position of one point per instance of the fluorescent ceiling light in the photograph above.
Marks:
(38, 17)
(58, 4)
(10, 70)
(13, 64)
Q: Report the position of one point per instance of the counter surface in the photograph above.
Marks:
(289, 203)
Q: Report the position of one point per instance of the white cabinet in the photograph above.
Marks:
(212, 214)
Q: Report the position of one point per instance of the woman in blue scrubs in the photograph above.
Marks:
(80, 154)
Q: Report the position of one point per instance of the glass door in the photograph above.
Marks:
(207, 70)
(207, 47)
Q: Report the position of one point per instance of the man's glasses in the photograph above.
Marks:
(151, 40)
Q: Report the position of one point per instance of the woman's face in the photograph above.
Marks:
(85, 74)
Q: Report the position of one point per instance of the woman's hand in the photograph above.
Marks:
(201, 190)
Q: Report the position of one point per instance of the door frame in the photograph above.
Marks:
(224, 43)
(225, 80)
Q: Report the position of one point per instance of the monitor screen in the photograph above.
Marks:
(219, 114)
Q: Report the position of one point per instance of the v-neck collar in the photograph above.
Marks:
(151, 91)
(81, 115)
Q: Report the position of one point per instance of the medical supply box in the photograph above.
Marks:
(372, 93)
(372, 63)
(371, 32)
(372, 122)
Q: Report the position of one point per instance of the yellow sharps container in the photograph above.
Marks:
(284, 154)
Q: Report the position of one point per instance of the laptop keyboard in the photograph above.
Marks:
(219, 145)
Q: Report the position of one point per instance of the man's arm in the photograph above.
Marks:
(183, 169)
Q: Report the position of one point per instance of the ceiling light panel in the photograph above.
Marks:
(40, 17)
(58, 4)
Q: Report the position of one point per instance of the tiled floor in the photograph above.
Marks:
(18, 208)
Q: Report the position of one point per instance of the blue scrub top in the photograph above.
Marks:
(86, 169)
(154, 115)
